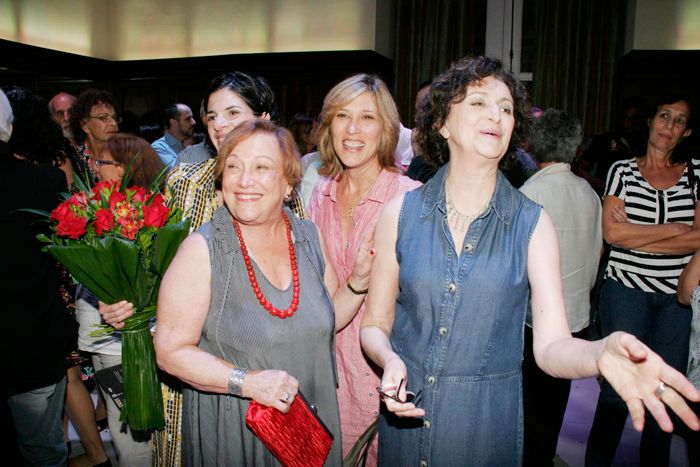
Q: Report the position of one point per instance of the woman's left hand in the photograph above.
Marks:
(394, 376)
(636, 372)
(363, 261)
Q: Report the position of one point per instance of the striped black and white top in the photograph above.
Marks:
(645, 204)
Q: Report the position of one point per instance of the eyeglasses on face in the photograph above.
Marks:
(105, 118)
(102, 162)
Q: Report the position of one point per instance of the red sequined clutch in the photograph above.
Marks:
(297, 439)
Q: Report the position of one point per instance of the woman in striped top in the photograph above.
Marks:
(648, 218)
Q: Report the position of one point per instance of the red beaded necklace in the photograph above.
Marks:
(289, 312)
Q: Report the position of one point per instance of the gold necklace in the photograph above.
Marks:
(454, 216)
(351, 209)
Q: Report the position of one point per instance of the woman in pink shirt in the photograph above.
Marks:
(357, 136)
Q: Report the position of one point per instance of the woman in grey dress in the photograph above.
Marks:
(248, 308)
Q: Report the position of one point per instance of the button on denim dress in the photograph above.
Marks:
(459, 329)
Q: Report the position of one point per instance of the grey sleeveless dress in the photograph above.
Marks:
(239, 330)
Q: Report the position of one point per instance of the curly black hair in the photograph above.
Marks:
(451, 88)
(35, 136)
(81, 108)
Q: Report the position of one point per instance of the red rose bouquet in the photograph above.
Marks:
(118, 242)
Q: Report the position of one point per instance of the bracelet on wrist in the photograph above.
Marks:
(235, 382)
(356, 292)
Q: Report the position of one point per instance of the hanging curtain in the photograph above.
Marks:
(430, 35)
(577, 45)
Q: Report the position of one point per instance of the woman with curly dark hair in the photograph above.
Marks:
(93, 120)
(38, 139)
(456, 261)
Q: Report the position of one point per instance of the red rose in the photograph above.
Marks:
(103, 186)
(155, 214)
(139, 193)
(72, 227)
(62, 212)
(104, 221)
(115, 198)
(78, 199)
(157, 198)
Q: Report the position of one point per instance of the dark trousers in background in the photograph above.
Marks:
(544, 405)
(660, 322)
(692, 438)
(37, 419)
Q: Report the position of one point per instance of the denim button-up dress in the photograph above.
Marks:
(459, 329)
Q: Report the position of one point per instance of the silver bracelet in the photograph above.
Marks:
(235, 382)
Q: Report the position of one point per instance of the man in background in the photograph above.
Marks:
(179, 124)
(59, 108)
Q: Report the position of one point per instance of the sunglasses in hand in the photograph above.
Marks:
(410, 396)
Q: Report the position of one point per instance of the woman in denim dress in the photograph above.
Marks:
(456, 261)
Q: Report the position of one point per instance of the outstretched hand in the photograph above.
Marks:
(115, 314)
(635, 372)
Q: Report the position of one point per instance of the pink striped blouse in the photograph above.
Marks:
(358, 376)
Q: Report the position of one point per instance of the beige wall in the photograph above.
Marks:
(146, 29)
(664, 25)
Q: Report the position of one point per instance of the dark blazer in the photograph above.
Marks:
(36, 328)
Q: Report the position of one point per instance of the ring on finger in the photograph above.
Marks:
(660, 390)
(287, 398)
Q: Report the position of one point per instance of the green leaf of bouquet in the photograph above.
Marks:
(88, 269)
(175, 215)
(127, 173)
(156, 183)
(111, 269)
(166, 243)
(33, 211)
(43, 238)
(83, 185)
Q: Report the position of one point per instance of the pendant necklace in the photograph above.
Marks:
(282, 314)
(351, 209)
(455, 217)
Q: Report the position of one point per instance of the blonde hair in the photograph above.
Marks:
(290, 154)
(344, 92)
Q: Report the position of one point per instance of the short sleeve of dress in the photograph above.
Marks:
(313, 209)
(615, 184)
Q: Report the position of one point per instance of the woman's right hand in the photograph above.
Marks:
(394, 373)
(270, 388)
(115, 314)
(363, 261)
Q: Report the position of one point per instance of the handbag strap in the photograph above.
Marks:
(357, 456)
